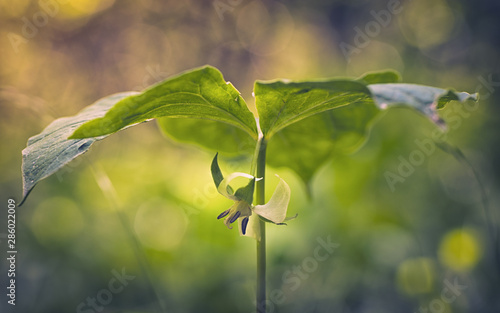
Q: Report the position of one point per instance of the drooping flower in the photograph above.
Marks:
(242, 210)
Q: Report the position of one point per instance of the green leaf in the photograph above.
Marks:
(382, 77)
(209, 134)
(303, 140)
(200, 93)
(306, 122)
(427, 100)
(307, 145)
(50, 150)
(281, 103)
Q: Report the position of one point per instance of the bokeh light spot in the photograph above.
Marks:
(427, 23)
(460, 250)
(265, 30)
(159, 225)
(13, 8)
(56, 221)
(374, 57)
(416, 276)
(82, 8)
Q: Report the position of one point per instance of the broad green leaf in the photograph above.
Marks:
(200, 93)
(302, 139)
(307, 145)
(304, 144)
(50, 150)
(213, 135)
(305, 121)
(281, 103)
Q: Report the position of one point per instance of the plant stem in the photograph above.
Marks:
(109, 192)
(261, 244)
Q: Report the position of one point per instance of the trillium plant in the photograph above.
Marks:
(300, 125)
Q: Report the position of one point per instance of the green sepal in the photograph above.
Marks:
(216, 172)
(246, 193)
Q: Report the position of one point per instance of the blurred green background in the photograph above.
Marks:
(399, 250)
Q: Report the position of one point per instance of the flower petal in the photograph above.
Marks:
(275, 209)
(224, 184)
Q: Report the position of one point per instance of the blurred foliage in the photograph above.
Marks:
(398, 250)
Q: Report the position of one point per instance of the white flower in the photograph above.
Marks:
(273, 211)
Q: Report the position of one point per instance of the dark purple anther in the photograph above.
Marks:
(244, 225)
(226, 212)
(235, 217)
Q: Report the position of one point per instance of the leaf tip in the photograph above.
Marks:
(381, 77)
(26, 192)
